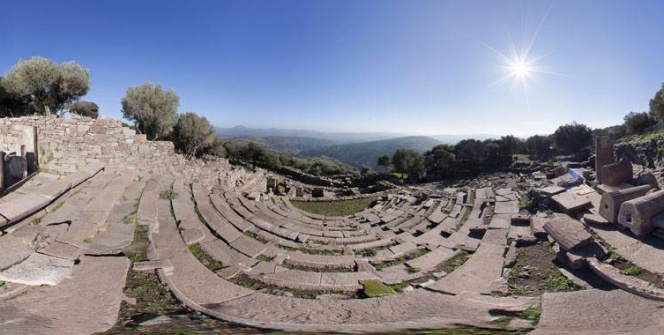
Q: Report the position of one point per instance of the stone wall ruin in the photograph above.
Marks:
(64, 145)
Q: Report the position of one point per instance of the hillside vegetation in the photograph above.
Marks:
(367, 153)
(285, 144)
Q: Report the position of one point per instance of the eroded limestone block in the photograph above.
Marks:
(617, 173)
(637, 214)
(611, 201)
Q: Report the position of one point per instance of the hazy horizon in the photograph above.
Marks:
(425, 67)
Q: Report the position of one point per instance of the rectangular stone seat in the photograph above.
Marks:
(222, 252)
(396, 274)
(372, 244)
(480, 274)
(15, 207)
(320, 261)
(220, 225)
(404, 248)
(436, 216)
(262, 224)
(432, 259)
(295, 279)
(344, 281)
(248, 246)
(506, 207)
(570, 203)
(54, 189)
(229, 214)
(241, 210)
(314, 231)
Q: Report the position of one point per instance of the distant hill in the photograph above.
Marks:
(287, 144)
(358, 154)
(454, 139)
(349, 137)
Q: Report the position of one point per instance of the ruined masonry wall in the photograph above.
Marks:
(66, 145)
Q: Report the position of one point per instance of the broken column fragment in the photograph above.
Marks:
(637, 214)
(617, 173)
(611, 201)
(603, 155)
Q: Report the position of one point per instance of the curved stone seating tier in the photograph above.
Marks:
(248, 248)
(201, 289)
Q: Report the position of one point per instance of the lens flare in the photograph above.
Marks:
(520, 68)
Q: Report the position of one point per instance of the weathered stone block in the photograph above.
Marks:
(568, 232)
(637, 214)
(611, 201)
(617, 173)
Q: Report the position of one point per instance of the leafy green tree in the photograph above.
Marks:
(256, 154)
(471, 152)
(439, 160)
(637, 123)
(538, 145)
(192, 134)
(572, 138)
(217, 148)
(409, 162)
(153, 110)
(85, 108)
(10, 105)
(233, 151)
(384, 161)
(49, 87)
(509, 145)
(657, 104)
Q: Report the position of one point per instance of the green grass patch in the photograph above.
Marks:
(400, 286)
(559, 283)
(204, 258)
(168, 195)
(87, 241)
(374, 288)
(334, 208)
(633, 271)
(532, 313)
(2, 283)
(526, 203)
(413, 270)
(35, 221)
(640, 139)
(264, 258)
(456, 261)
(615, 257)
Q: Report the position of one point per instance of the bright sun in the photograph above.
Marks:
(519, 68)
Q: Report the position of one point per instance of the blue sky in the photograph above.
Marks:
(417, 67)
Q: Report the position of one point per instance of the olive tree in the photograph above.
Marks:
(573, 137)
(85, 108)
(657, 104)
(384, 161)
(637, 123)
(48, 86)
(407, 161)
(192, 134)
(153, 110)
